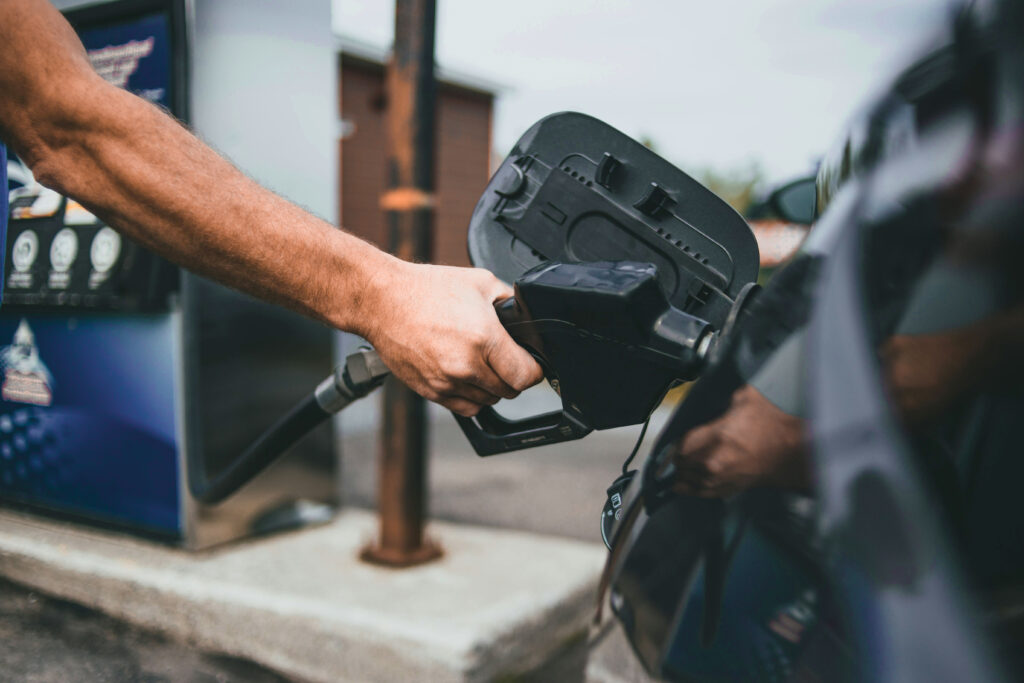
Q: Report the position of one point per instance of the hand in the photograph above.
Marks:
(752, 443)
(436, 329)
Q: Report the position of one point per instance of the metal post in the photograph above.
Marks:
(409, 208)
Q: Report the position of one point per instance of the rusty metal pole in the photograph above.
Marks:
(409, 209)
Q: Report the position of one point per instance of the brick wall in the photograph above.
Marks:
(461, 161)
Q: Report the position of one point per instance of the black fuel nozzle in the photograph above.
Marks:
(609, 342)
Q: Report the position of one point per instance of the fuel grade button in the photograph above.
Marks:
(63, 251)
(26, 248)
(23, 257)
(106, 247)
(103, 253)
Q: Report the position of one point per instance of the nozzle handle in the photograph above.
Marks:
(490, 433)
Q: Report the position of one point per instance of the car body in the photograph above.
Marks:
(904, 564)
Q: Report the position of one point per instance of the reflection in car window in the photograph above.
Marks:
(945, 289)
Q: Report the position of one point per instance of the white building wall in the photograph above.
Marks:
(264, 93)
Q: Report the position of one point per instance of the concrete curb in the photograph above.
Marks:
(499, 603)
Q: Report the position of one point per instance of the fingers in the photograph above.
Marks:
(694, 481)
(475, 395)
(696, 465)
(513, 364)
(465, 400)
(507, 369)
(697, 440)
(486, 386)
(489, 380)
(514, 368)
(468, 375)
(460, 406)
(463, 396)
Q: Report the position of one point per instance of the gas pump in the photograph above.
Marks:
(120, 373)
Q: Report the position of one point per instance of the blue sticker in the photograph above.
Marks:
(135, 56)
(87, 417)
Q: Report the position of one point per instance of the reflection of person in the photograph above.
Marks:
(754, 443)
(148, 177)
(927, 373)
(952, 341)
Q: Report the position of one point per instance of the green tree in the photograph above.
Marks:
(739, 187)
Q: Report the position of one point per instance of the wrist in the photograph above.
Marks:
(362, 278)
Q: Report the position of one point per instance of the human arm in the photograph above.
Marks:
(755, 443)
(927, 373)
(147, 176)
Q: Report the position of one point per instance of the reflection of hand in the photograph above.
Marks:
(927, 373)
(753, 443)
(436, 329)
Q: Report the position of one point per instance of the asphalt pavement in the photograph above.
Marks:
(45, 640)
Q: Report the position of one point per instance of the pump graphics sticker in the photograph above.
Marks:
(117, 63)
(134, 55)
(26, 377)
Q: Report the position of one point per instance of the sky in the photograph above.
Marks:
(712, 83)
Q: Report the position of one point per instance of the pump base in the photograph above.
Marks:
(390, 557)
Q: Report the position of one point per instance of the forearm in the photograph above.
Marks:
(926, 374)
(144, 174)
(147, 176)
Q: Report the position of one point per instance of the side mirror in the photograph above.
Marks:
(795, 202)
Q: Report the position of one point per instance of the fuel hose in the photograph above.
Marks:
(360, 374)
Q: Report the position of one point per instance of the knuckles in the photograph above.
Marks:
(525, 379)
(713, 468)
(463, 372)
(436, 389)
(479, 343)
(519, 384)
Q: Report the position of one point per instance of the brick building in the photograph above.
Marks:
(462, 157)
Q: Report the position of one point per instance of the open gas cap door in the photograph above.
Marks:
(574, 189)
